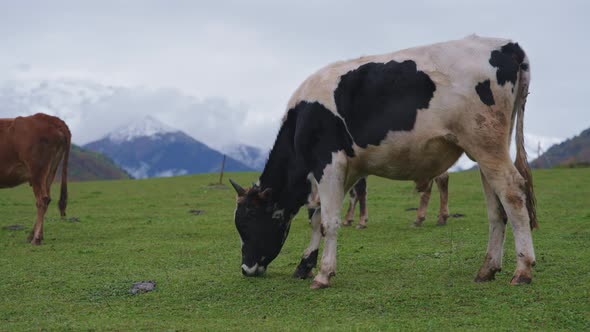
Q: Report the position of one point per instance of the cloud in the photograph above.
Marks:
(92, 110)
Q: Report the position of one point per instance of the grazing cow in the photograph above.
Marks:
(358, 193)
(407, 115)
(31, 149)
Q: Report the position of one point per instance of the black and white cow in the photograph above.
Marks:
(407, 115)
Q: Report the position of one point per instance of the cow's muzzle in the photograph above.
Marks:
(254, 271)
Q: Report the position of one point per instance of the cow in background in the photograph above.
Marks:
(358, 194)
(31, 149)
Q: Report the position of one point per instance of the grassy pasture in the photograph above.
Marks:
(390, 275)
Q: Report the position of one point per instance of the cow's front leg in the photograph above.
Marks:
(331, 190)
(310, 255)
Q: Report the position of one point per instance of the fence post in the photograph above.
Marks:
(222, 167)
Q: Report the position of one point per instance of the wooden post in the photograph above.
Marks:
(222, 167)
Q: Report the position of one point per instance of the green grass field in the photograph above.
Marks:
(390, 275)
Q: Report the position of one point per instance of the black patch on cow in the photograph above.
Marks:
(317, 133)
(305, 144)
(307, 264)
(377, 98)
(508, 60)
(485, 92)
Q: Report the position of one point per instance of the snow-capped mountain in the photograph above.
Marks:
(249, 155)
(149, 148)
(535, 145)
(148, 127)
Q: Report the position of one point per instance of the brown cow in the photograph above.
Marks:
(31, 149)
(358, 194)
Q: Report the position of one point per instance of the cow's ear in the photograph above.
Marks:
(239, 190)
(265, 194)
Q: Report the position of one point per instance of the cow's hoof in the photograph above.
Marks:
(347, 223)
(318, 285)
(361, 226)
(299, 274)
(521, 280)
(442, 220)
(417, 223)
(485, 278)
(487, 275)
(36, 242)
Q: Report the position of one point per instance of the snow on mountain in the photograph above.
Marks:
(535, 145)
(249, 155)
(148, 127)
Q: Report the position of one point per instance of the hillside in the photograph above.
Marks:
(85, 165)
(574, 151)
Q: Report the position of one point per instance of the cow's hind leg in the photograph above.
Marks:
(509, 186)
(51, 176)
(42, 200)
(497, 219)
(442, 182)
(310, 255)
(424, 199)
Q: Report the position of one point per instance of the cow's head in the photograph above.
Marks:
(262, 226)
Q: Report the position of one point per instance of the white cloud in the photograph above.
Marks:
(93, 110)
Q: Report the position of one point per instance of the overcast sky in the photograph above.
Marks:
(224, 70)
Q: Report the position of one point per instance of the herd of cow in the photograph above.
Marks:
(406, 115)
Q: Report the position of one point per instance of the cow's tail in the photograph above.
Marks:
(521, 162)
(63, 195)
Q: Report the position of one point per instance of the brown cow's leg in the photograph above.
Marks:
(361, 194)
(351, 207)
(424, 199)
(497, 219)
(509, 185)
(42, 201)
(51, 175)
(442, 181)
